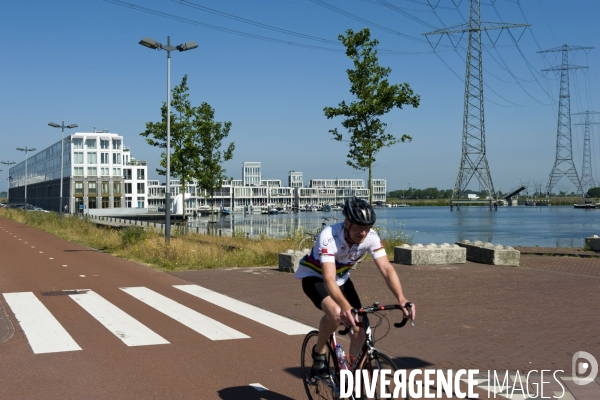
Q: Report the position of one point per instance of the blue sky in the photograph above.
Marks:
(80, 61)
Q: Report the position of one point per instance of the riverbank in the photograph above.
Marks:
(553, 201)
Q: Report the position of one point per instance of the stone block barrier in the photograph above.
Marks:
(487, 253)
(593, 243)
(288, 261)
(430, 254)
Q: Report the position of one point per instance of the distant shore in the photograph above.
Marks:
(554, 201)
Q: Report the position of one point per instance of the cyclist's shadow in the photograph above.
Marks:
(249, 393)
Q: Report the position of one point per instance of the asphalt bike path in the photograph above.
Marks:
(126, 331)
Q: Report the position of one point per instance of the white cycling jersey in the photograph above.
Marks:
(331, 246)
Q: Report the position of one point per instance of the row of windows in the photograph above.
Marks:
(105, 186)
(91, 143)
(92, 188)
(92, 158)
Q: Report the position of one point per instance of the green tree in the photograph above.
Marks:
(209, 172)
(195, 141)
(374, 97)
(593, 192)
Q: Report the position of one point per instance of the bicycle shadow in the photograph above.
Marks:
(249, 393)
(295, 371)
(410, 362)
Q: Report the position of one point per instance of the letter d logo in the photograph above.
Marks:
(580, 368)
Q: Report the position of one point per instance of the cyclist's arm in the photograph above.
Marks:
(393, 282)
(328, 270)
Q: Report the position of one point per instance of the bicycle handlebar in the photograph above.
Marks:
(376, 308)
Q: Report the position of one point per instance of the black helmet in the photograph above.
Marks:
(359, 211)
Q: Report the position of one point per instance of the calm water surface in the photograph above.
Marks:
(509, 226)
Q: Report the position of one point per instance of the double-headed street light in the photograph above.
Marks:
(62, 150)
(8, 164)
(153, 44)
(26, 150)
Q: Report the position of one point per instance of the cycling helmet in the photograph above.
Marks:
(359, 211)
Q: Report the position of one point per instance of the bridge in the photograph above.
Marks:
(516, 192)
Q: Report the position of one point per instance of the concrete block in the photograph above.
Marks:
(593, 242)
(488, 253)
(288, 261)
(430, 254)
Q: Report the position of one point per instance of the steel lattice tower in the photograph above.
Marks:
(587, 179)
(473, 161)
(563, 163)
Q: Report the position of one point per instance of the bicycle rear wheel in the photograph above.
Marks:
(306, 243)
(317, 388)
(374, 389)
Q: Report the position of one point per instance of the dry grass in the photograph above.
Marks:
(184, 252)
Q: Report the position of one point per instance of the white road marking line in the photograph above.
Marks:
(259, 387)
(272, 320)
(122, 325)
(202, 324)
(51, 258)
(44, 333)
(83, 276)
(64, 265)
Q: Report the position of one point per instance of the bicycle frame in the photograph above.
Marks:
(366, 349)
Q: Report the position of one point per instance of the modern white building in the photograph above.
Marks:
(98, 174)
(254, 194)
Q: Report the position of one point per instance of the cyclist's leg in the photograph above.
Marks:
(358, 337)
(314, 288)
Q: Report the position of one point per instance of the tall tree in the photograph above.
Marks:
(374, 97)
(195, 141)
(209, 171)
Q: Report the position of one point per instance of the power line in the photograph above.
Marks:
(366, 21)
(163, 14)
(251, 22)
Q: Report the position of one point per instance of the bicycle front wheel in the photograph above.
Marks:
(375, 388)
(316, 387)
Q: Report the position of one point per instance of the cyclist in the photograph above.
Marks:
(325, 274)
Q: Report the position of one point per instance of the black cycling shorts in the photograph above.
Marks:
(316, 291)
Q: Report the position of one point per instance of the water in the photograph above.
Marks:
(509, 226)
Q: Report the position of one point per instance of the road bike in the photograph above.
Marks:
(368, 359)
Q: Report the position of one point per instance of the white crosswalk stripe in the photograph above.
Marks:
(202, 324)
(122, 325)
(272, 320)
(44, 333)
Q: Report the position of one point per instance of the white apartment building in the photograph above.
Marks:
(98, 174)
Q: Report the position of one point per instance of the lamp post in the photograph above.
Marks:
(8, 164)
(62, 150)
(26, 150)
(153, 44)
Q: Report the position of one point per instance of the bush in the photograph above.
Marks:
(132, 235)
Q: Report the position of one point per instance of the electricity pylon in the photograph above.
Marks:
(473, 161)
(587, 180)
(563, 163)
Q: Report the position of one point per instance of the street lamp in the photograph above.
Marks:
(62, 150)
(153, 44)
(26, 150)
(8, 164)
